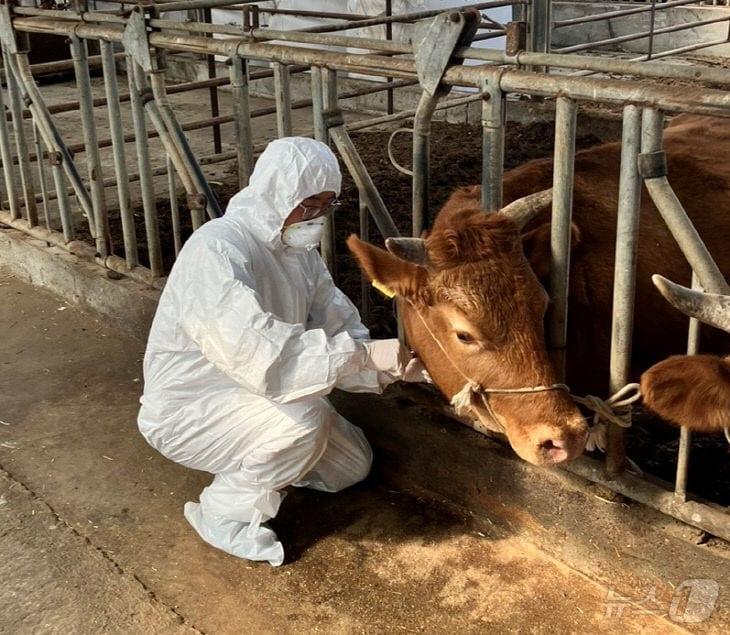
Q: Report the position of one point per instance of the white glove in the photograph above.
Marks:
(416, 372)
(387, 356)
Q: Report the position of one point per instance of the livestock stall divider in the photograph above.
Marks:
(144, 42)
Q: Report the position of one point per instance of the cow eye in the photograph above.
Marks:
(465, 337)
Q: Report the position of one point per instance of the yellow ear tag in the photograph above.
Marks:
(388, 293)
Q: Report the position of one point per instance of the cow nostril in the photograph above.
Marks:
(551, 444)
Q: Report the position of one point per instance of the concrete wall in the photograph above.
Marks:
(637, 23)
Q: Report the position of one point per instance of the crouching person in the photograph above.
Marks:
(249, 336)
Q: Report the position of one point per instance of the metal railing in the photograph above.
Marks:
(633, 20)
(30, 137)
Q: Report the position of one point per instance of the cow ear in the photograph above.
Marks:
(536, 245)
(387, 271)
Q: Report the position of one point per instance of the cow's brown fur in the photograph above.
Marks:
(701, 180)
(481, 279)
(691, 391)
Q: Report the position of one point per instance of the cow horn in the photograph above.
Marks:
(707, 307)
(524, 209)
(409, 249)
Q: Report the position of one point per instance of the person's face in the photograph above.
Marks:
(311, 207)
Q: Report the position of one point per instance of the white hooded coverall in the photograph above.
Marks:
(248, 337)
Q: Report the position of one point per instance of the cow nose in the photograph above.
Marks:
(555, 449)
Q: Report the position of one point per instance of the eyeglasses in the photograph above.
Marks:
(308, 213)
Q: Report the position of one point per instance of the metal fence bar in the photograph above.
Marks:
(330, 103)
(282, 95)
(93, 159)
(608, 15)
(7, 158)
(174, 208)
(111, 89)
(630, 37)
(493, 132)
(673, 213)
(627, 245)
(149, 206)
(365, 285)
(242, 118)
(566, 112)
(21, 146)
(42, 178)
(685, 435)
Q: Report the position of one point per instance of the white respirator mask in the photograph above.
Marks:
(304, 235)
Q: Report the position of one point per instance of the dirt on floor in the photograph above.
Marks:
(93, 538)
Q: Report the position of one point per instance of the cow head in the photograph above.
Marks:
(469, 285)
(692, 390)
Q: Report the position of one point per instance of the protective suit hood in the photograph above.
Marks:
(287, 172)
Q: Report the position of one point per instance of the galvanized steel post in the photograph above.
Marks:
(329, 101)
(282, 94)
(560, 236)
(21, 145)
(111, 89)
(149, 205)
(493, 120)
(93, 159)
(627, 243)
(652, 166)
(7, 158)
(422, 161)
(242, 118)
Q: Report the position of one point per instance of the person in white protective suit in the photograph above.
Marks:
(249, 336)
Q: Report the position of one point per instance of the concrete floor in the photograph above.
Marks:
(93, 538)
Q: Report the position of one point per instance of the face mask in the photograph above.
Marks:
(304, 235)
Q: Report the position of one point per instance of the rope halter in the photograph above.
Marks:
(616, 409)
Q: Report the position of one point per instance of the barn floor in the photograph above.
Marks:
(93, 538)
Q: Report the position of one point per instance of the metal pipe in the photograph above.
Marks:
(685, 435)
(174, 209)
(630, 37)
(21, 145)
(111, 89)
(493, 121)
(220, 47)
(422, 161)
(608, 15)
(673, 213)
(213, 90)
(242, 118)
(704, 101)
(172, 133)
(93, 160)
(47, 68)
(282, 96)
(149, 206)
(627, 244)
(364, 282)
(19, 69)
(410, 17)
(702, 514)
(566, 111)
(330, 104)
(42, 177)
(64, 208)
(7, 158)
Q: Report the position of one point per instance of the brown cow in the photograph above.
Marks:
(692, 390)
(473, 305)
